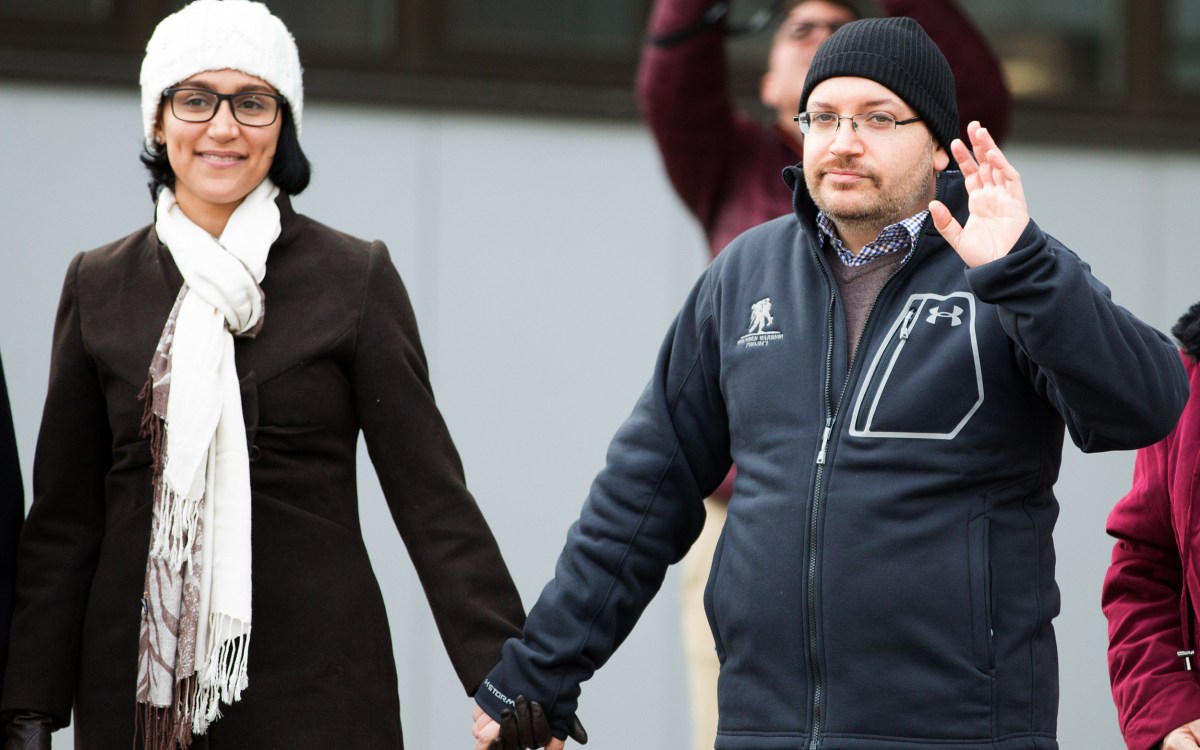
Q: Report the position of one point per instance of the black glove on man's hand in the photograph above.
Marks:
(524, 727)
(29, 731)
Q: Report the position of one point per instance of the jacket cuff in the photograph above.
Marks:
(992, 280)
(501, 688)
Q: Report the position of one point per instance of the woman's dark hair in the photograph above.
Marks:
(1187, 331)
(290, 169)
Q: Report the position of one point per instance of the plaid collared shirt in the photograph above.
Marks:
(894, 237)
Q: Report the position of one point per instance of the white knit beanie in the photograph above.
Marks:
(217, 35)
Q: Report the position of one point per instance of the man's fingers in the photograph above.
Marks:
(1012, 178)
(945, 222)
(962, 155)
(973, 128)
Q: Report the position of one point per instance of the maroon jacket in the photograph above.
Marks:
(1152, 589)
(727, 167)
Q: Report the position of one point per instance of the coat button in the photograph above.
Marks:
(255, 454)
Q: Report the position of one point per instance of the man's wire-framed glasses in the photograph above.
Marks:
(866, 123)
(256, 109)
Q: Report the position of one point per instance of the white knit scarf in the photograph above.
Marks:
(195, 631)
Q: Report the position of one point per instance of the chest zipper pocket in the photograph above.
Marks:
(925, 379)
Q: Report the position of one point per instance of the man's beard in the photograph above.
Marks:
(895, 201)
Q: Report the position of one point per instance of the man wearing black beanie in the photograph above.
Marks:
(892, 368)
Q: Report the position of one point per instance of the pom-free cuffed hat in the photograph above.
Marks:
(898, 54)
(216, 35)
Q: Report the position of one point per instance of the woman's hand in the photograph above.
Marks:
(1187, 737)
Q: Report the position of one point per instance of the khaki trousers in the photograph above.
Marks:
(700, 652)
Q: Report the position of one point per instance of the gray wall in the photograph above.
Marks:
(545, 259)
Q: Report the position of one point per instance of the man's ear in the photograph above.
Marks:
(941, 159)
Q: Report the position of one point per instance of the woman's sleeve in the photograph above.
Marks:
(1153, 692)
(473, 598)
(61, 537)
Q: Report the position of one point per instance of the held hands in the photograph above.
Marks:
(1187, 737)
(996, 201)
(522, 727)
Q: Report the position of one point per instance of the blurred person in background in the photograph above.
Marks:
(192, 569)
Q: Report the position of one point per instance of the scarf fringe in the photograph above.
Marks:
(152, 427)
(167, 727)
(174, 531)
(225, 676)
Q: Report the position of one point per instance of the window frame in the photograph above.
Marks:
(423, 70)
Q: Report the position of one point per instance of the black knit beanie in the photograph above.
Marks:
(897, 53)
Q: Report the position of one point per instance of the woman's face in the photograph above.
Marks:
(219, 162)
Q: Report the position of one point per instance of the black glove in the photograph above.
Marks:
(29, 731)
(524, 727)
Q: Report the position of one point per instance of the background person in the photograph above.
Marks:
(1152, 589)
(192, 561)
(885, 577)
(725, 166)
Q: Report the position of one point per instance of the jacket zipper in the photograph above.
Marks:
(832, 410)
(814, 507)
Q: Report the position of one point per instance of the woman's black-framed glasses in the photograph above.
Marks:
(256, 109)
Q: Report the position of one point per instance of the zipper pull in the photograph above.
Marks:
(907, 326)
(825, 441)
(1187, 659)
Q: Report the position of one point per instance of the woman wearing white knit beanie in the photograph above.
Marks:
(192, 569)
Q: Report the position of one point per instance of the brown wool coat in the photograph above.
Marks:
(338, 353)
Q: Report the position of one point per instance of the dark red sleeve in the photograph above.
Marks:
(982, 94)
(1153, 692)
(684, 95)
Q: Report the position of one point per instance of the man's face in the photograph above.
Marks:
(867, 180)
(806, 26)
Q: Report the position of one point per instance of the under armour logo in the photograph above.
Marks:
(955, 317)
